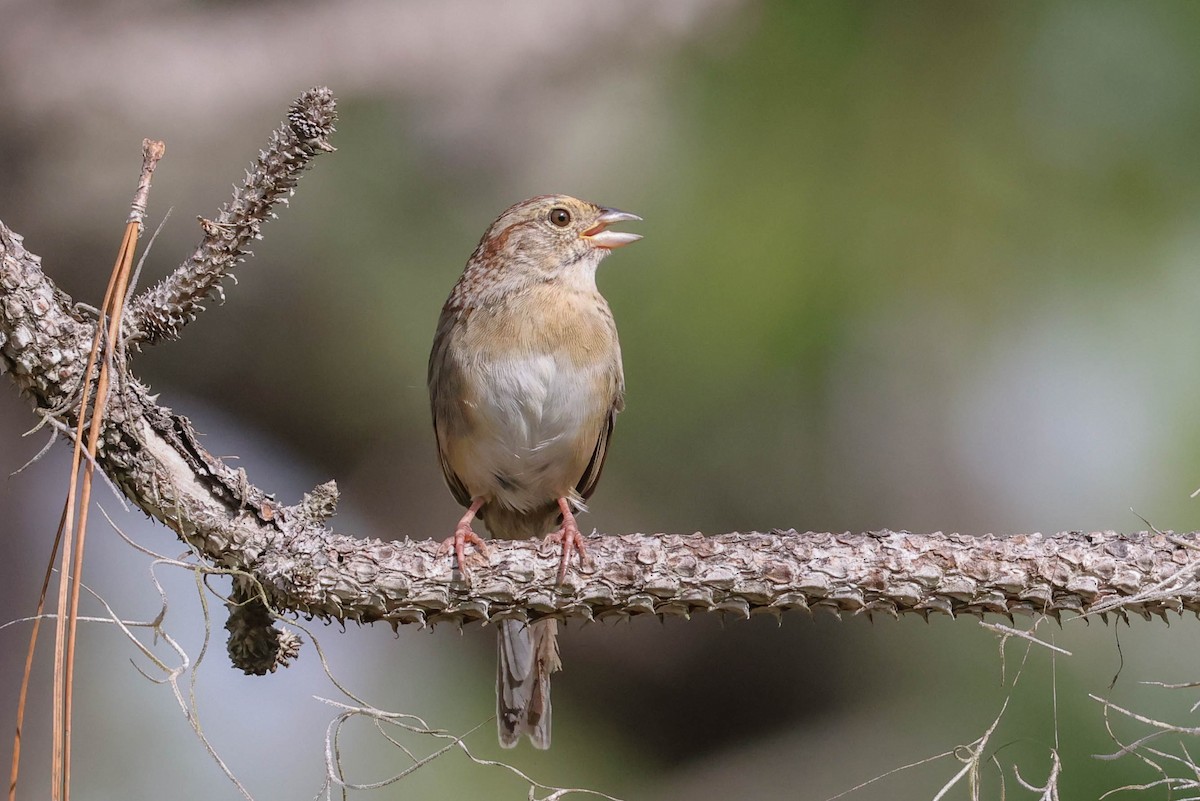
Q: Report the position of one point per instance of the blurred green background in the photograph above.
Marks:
(926, 266)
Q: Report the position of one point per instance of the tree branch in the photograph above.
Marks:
(291, 561)
(162, 311)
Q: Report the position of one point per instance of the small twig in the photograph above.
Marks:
(69, 434)
(891, 772)
(333, 773)
(152, 151)
(1048, 791)
(37, 456)
(1008, 631)
(1163, 728)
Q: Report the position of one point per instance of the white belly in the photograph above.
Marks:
(536, 424)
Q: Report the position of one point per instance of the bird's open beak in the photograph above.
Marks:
(599, 235)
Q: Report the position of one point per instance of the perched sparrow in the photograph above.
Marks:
(525, 383)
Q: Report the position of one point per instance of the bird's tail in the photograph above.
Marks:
(528, 652)
(528, 655)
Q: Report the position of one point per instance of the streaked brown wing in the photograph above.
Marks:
(452, 480)
(591, 475)
(438, 361)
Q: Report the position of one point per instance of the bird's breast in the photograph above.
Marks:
(534, 420)
(538, 392)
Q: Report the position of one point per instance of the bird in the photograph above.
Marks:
(525, 383)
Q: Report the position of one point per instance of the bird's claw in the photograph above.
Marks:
(463, 535)
(571, 540)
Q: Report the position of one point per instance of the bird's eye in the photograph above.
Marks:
(560, 216)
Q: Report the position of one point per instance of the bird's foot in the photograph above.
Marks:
(570, 537)
(463, 534)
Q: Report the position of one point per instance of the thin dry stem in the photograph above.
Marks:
(1008, 631)
(1048, 791)
(61, 732)
(1153, 758)
(72, 558)
(114, 307)
(15, 770)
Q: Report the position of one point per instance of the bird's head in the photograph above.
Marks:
(552, 237)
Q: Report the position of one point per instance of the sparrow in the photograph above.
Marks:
(525, 383)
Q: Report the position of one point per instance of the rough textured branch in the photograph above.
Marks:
(303, 567)
(162, 311)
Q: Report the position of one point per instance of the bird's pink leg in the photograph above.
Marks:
(570, 538)
(462, 535)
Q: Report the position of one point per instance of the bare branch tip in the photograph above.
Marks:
(312, 117)
(152, 152)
